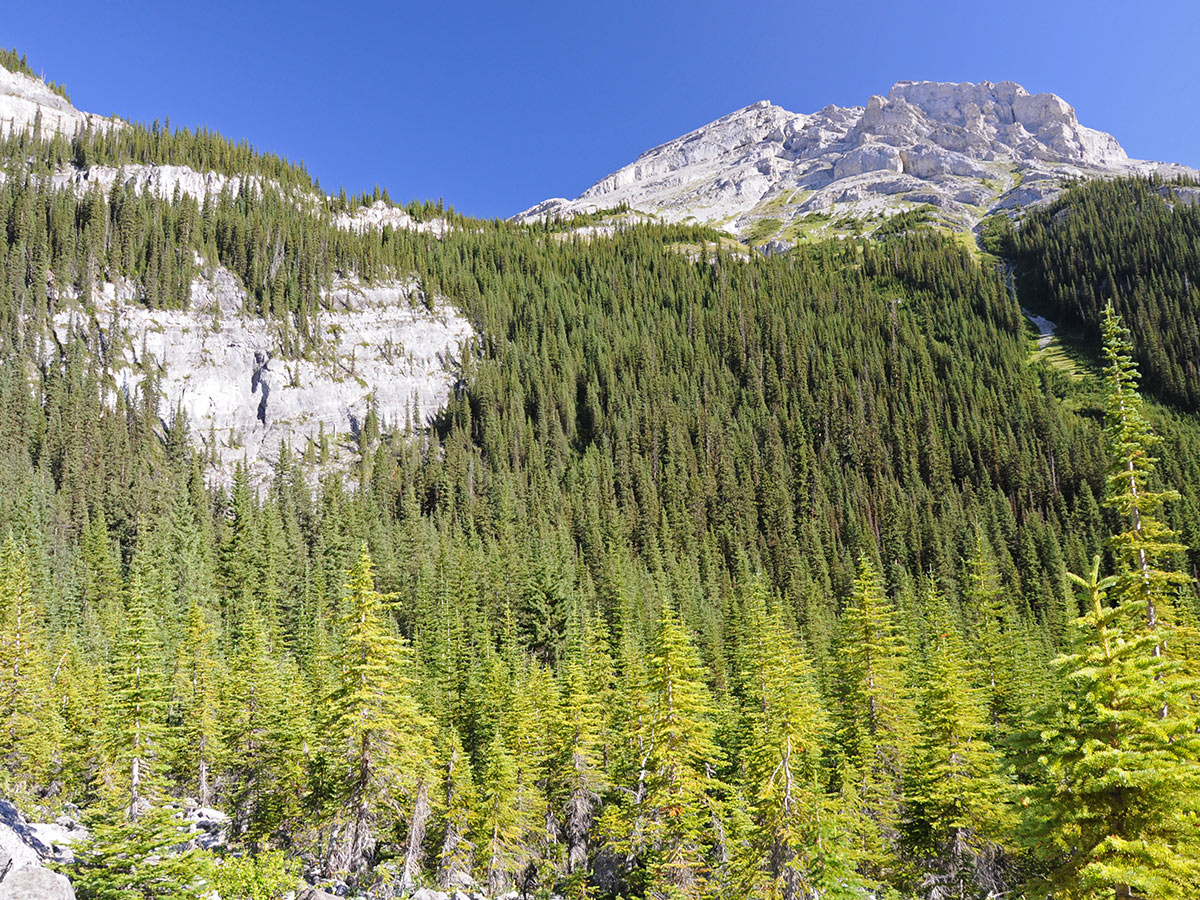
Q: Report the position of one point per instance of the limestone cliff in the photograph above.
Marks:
(765, 173)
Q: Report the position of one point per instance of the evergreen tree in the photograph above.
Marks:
(1116, 807)
(671, 824)
(379, 729)
(30, 726)
(198, 699)
(456, 855)
(139, 691)
(1147, 542)
(139, 859)
(956, 795)
(499, 827)
(796, 846)
(875, 721)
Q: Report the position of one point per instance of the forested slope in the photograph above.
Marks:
(1135, 242)
(716, 577)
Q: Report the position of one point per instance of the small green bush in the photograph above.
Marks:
(266, 876)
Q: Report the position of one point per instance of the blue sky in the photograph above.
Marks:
(496, 106)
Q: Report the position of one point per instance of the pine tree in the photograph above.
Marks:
(139, 692)
(1116, 807)
(1114, 811)
(671, 824)
(581, 774)
(989, 626)
(1147, 542)
(262, 732)
(31, 730)
(456, 856)
(198, 699)
(499, 827)
(139, 859)
(875, 721)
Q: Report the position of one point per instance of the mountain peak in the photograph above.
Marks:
(966, 148)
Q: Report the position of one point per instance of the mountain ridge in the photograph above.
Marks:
(968, 149)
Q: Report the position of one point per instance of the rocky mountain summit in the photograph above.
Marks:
(764, 173)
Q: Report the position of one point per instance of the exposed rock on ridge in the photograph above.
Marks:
(22, 98)
(382, 348)
(967, 149)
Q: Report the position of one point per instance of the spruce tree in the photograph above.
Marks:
(139, 859)
(875, 720)
(31, 729)
(198, 699)
(671, 823)
(956, 794)
(139, 692)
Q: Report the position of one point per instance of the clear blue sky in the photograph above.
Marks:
(494, 106)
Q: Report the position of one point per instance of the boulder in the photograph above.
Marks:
(210, 827)
(59, 837)
(35, 883)
(15, 853)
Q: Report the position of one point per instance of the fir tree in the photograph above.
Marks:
(1118, 801)
(198, 698)
(956, 796)
(379, 729)
(796, 846)
(139, 859)
(670, 820)
(139, 692)
(875, 722)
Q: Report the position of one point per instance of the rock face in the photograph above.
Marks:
(22, 98)
(380, 214)
(382, 347)
(25, 101)
(762, 172)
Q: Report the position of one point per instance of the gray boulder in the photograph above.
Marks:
(59, 837)
(209, 827)
(35, 883)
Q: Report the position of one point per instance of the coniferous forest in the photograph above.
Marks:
(786, 577)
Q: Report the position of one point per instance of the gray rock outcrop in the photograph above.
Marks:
(24, 849)
(24, 99)
(382, 349)
(967, 149)
(35, 883)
